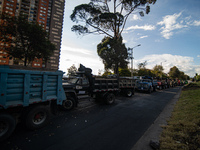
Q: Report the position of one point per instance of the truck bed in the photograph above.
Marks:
(25, 87)
(105, 84)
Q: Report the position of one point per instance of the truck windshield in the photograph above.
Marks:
(145, 81)
(74, 80)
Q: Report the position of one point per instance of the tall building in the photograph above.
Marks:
(49, 14)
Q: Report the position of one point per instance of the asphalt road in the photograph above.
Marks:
(95, 126)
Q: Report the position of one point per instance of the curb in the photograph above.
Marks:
(154, 131)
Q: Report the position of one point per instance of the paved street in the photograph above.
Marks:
(95, 126)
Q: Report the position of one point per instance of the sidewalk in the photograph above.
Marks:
(155, 129)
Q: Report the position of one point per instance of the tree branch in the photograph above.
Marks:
(99, 29)
(126, 17)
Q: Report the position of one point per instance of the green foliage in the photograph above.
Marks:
(144, 71)
(106, 73)
(72, 70)
(174, 72)
(100, 16)
(28, 40)
(158, 70)
(198, 77)
(124, 72)
(113, 53)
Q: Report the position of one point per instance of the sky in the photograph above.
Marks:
(169, 36)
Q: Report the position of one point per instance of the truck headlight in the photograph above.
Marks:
(79, 87)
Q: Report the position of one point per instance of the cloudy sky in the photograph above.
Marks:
(169, 36)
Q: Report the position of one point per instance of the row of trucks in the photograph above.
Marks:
(31, 96)
(149, 84)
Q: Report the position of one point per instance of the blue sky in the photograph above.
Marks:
(169, 35)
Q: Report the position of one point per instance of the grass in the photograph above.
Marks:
(183, 129)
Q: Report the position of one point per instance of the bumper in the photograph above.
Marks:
(142, 89)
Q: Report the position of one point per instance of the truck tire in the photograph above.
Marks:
(37, 117)
(129, 92)
(68, 104)
(109, 98)
(7, 126)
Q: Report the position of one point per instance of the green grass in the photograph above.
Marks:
(183, 129)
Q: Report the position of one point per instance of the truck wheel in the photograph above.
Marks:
(37, 117)
(68, 104)
(109, 98)
(129, 92)
(7, 126)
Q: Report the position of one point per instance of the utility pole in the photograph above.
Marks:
(132, 58)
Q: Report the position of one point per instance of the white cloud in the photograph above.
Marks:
(169, 24)
(196, 23)
(145, 27)
(198, 56)
(188, 18)
(183, 63)
(143, 36)
(77, 56)
(135, 17)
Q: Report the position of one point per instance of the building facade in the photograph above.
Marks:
(49, 14)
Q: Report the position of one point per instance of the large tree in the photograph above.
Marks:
(107, 17)
(113, 53)
(27, 40)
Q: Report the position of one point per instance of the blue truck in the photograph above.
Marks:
(147, 84)
(28, 96)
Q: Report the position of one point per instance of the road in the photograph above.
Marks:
(95, 126)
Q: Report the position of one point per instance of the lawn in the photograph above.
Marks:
(183, 129)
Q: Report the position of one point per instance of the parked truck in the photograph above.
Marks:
(98, 88)
(145, 85)
(28, 96)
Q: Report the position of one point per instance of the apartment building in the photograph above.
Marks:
(49, 14)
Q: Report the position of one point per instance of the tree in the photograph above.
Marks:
(124, 72)
(174, 72)
(142, 65)
(27, 40)
(72, 70)
(197, 77)
(113, 53)
(106, 73)
(107, 17)
(158, 70)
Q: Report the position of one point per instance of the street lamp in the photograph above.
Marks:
(133, 58)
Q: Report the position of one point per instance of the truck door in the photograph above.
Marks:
(84, 86)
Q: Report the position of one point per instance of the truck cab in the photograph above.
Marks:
(79, 84)
(145, 85)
